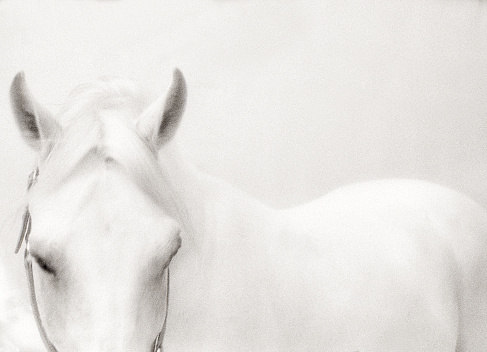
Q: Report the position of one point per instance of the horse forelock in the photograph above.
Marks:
(104, 93)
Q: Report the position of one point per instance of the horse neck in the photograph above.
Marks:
(209, 206)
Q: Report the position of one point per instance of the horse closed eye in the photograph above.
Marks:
(44, 266)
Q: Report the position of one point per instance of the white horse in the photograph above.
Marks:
(393, 265)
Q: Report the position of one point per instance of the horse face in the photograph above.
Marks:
(103, 228)
(100, 252)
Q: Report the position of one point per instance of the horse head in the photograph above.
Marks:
(104, 224)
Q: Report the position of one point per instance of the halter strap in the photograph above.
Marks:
(33, 301)
(26, 219)
(24, 237)
(160, 336)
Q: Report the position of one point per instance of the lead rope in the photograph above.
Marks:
(24, 237)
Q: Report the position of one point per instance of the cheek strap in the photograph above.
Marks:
(33, 301)
(24, 236)
(160, 335)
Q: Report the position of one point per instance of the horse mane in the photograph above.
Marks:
(99, 124)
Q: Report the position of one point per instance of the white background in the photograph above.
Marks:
(287, 99)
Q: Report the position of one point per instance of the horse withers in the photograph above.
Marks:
(393, 265)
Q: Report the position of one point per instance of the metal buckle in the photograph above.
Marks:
(32, 178)
(26, 219)
(25, 231)
(157, 345)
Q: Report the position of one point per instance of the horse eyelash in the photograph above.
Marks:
(44, 266)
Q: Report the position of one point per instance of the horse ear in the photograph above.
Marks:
(35, 122)
(159, 122)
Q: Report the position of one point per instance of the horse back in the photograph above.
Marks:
(393, 265)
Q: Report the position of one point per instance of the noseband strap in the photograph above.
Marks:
(24, 237)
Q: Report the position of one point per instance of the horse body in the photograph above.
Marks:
(392, 265)
(395, 260)
(389, 265)
(385, 265)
